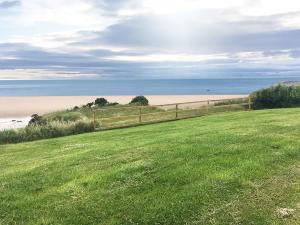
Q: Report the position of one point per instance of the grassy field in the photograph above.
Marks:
(85, 119)
(126, 115)
(227, 168)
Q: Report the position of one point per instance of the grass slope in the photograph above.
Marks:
(230, 168)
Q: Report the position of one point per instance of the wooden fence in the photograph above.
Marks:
(126, 116)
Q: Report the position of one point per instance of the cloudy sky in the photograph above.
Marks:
(132, 39)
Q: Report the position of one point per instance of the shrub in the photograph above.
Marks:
(112, 104)
(36, 120)
(280, 96)
(139, 100)
(90, 104)
(101, 102)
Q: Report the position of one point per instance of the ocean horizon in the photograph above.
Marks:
(137, 87)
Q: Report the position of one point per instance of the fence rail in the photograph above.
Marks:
(124, 116)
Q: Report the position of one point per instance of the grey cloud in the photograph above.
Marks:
(114, 4)
(9, 4)
(110, 7)
(163, 34)
(108, 53)
(25, 52)
(294, 53)
(28, 57)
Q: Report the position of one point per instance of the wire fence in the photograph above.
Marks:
(126, 116)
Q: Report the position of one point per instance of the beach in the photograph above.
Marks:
(15, 112)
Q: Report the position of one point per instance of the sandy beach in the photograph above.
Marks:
(17, 107)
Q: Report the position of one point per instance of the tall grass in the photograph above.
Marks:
(65, 116)
(231, 101)
(50, 130)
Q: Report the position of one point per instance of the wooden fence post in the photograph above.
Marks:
(249, 102)
(140, 115)
(94, 119)
(176, 111)
(207, 108)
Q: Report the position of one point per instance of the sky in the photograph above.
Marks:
(138, 39)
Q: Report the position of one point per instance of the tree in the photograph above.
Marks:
(139, 100)
(101, 102)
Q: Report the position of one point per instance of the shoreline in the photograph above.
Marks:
(20, 107)
(13, 123)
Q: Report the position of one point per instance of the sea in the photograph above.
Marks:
(137, 87)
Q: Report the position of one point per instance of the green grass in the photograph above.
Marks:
(228, 168)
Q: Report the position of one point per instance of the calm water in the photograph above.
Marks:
(135, 87)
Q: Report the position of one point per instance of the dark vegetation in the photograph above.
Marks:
(279, 96)
(140, 100)
(101, 102)
(36, 120)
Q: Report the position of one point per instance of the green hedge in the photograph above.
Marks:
(280, 96)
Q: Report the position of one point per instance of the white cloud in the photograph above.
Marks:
(271, 7)
(174, 6)
(33, 74)
(168, 58)
(69, 12)
(244, 7)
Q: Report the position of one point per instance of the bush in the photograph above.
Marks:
(36, 120)
(101, 102)
(90, 104)
(112, 104)
(280, 96)
(139, 100)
